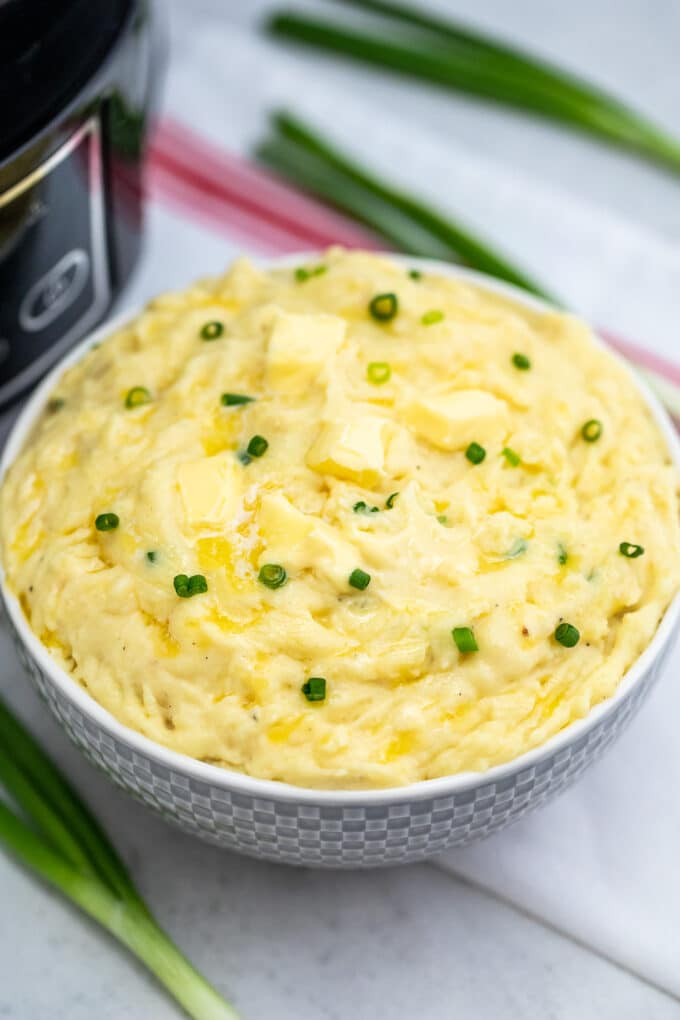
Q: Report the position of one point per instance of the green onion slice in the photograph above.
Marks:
(521, 361)
(272, 575)
(314, 689)
(378, 372)
(562, 554)
(591, 430)
(512, 458)
(186, 587)
(566, 634)
(519, 546)
(465, 640)
(152, 556)
(383, 307)
(390, 501)
(106, 522)
(302, 273)
(432, 317)
(212, 330)
(475, 453)
(137, 396)
(415, 274)
(630, 550)
(257, 446)
(234, 399)
(359, 579)
(363, 508)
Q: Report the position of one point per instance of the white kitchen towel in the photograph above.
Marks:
(601, 862)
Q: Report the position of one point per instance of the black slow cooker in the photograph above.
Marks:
(77, 82)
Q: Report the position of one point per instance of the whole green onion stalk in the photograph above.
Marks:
(57, 837)
(452, 56)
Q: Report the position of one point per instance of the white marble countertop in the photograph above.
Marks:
(412, 941)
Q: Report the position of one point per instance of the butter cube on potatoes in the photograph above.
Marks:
(453, 420)
(210, 489)
(299, 348)
(353, 450)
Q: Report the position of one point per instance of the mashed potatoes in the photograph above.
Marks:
(346, 526)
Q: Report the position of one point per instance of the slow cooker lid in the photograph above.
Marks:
(49, 49)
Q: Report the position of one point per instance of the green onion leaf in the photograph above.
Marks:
(314, 689)
(390, 501)
(415, 274)
(432, 317)
(272, 575)
(630, 550)
(521, 361)
(443, 519)
(152, 556)
(186, 587)
(359, 579)
(591, 430)
(465, 640)
(562, 554)
(378, 372)
(475, 453)
(384, 307)
(65, 846)
(566, 634)
(137, 397)
(212, 330)
(363, 508)
(257, 446)
(106, 522)
(512, 458)
(236, 399)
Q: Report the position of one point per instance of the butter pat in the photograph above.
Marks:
(453, 420)
(350, 449)
(210, 490)
(299, 348)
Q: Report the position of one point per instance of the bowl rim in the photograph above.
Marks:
(274, 790)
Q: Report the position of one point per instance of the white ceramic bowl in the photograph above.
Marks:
(318, 827)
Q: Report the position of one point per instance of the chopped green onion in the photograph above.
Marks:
(389, 502)
(137, 396)
(431, 317)
(302, 273)
(521, 362)
(234, 399)
(630, 550)
(378, 372)
(383, 307)
(212, 330)
(257, 446)
(363, 508)
(591, 430)
(465, 640)
(415, 274)
(272, 575)
(512, 458)
(314, 689)
(562, 554)
(566, 634)
(152, 556)
(443, 519)
(475, 453)
(359, 579)
(186, 587)
(106, 522)
(54, 404)
(519, 546)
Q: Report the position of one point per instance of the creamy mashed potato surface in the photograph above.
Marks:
(135, 524)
